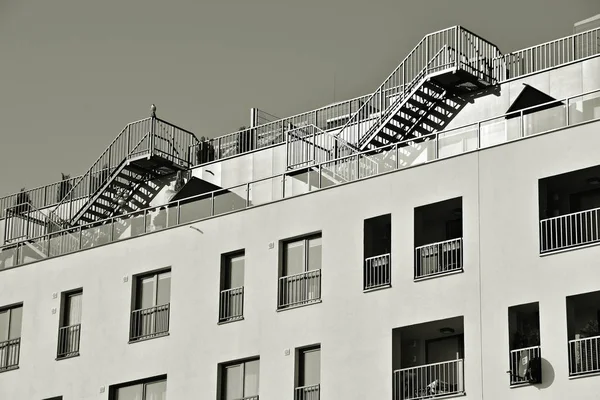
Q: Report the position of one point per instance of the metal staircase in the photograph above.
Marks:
(120, 181)
(445, 71)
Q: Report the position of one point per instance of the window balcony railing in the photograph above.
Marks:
(9, 354)
(520, 362)
(312, 392)
(149, 322)
(298, 289)
(584, 356)
(378, 271)
(431, 380)
(570, 230)
(231, 304)
(439, 258)
(68, 341)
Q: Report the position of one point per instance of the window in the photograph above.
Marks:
(10, 336)
(240, 380)
(438, 238)
(231, 300)
(428, 359)
(54, 398)
(377, 252)
(525, 351)
(152, 296)
(149, 389)
(569, 207)
(69, 332)
(308, 375)
(300, 278)
(583, 330)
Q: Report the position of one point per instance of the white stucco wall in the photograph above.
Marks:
(502, 268)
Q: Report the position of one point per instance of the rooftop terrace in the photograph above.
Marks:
(402, 124)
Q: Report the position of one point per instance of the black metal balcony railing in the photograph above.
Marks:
(68, 341)
(9, 354)
(584, 356)
(298, 289)
(149, 322)
(520, 361)
(438, 258)
(312, 392)
(378, 271)
(231, 304)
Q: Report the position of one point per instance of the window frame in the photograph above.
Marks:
(226, 259)
(300, 378)
(138, 291)
(305, 239)
(113, 389)
(222, 392)
(9, 309)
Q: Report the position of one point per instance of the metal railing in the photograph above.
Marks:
(145, 137)
(471, 137)
(149, 322)
(584, 356)
(438, 258)
(431, 380)
(570, 230)
(24, 221)
(68, 341)
(298, 289)
(311, 145)
(378, 271)
(552, 54)
(312, 392)
(9, 354)
(308, 146)
(450, 48)
(40, 197)
(231, 304)
(272, 133)
(248, 398)
(519, 361)
(509, 66)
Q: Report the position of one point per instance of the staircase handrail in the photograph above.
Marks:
(92, 169)
(118, 150)
(377, 95)
(402, 96)
(107, 181)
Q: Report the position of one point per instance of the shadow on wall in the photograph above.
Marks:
(547, 375)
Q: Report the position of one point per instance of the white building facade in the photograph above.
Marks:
(436, 238)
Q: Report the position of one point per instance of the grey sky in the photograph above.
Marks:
(74, 72)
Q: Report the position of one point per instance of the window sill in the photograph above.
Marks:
(523, 384)
(231, 320)
(376, 288)
(439, 274)
(145, 339)
(8, 369)
(67, 357)
(309, 303)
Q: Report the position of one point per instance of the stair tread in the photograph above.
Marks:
(411, 113)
